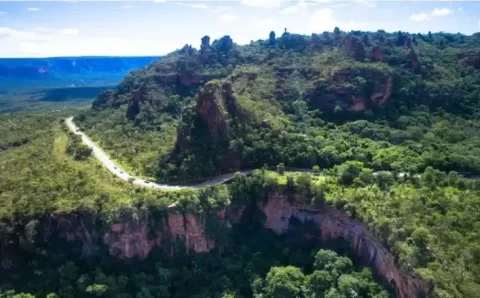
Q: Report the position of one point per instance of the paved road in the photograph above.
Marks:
(117, 171)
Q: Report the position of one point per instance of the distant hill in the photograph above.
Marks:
(25, 74)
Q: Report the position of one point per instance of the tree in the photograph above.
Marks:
(316, 170)
(96, 289)
(285, 282)
(329, 260)
(336, 31)
(272, 38)
(317, 284)
(281, 168)
(348, 286)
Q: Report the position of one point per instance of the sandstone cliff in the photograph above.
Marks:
(283, 213)
(214, 106)
(352, 90)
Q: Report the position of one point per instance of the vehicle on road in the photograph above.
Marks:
(146, 181)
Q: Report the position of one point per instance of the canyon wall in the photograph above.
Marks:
(128, 240)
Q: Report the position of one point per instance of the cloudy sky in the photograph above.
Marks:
(76, 28)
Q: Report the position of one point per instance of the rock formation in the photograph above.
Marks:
(377, 54)
(334, 225)
(471, 58)
(215, 103)
(413, 58)
(283, 213)
(352, 91)
(355, 48)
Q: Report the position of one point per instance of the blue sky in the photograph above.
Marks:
(75, 28)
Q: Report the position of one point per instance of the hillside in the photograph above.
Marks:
(300, 100)
(350, 103)
(388, 123)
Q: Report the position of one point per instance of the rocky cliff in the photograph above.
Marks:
(215, 105)
(352, 89)
(283, 212)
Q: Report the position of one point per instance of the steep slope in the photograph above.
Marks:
(285, 90)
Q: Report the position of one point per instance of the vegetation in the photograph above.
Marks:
(387, 123)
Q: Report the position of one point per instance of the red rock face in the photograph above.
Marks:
(358, 104)
(132, 240)
(334, 225)
(335, 91)
(355, 48)
(382, 92)
(413, 57)
(377, 54)
(471, 58)
(211, 108)
(129, 240)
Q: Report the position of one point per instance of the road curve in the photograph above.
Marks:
(117, 171)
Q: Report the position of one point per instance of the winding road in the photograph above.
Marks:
(99, 154)
(117, 171)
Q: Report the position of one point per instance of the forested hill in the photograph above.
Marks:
(301, 100)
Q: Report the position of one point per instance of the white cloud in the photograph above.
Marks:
(324, 20)
(228, 18)
(69, 31)
(418, 17)
(200, 6)
(128, 6)
(42, 29)
(440, 12)
(221, 9)
(7, 32)
(291, 9)
(197, 6)
(44, 42)
(370, 4)
(33, 9)
(264, 24)
(263, 3)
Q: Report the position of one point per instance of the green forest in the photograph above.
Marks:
(385, 123)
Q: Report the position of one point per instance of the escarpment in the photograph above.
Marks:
(189, 233)
(352, 90)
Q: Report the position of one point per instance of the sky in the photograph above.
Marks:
(144, 28)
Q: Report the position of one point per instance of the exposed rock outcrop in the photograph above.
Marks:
(471, 58)
(215, 103)
(352, 90)
(283, 214)
(377, 54)
(355, 48)
(334, 225)
(129, 240)
(413, 58)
